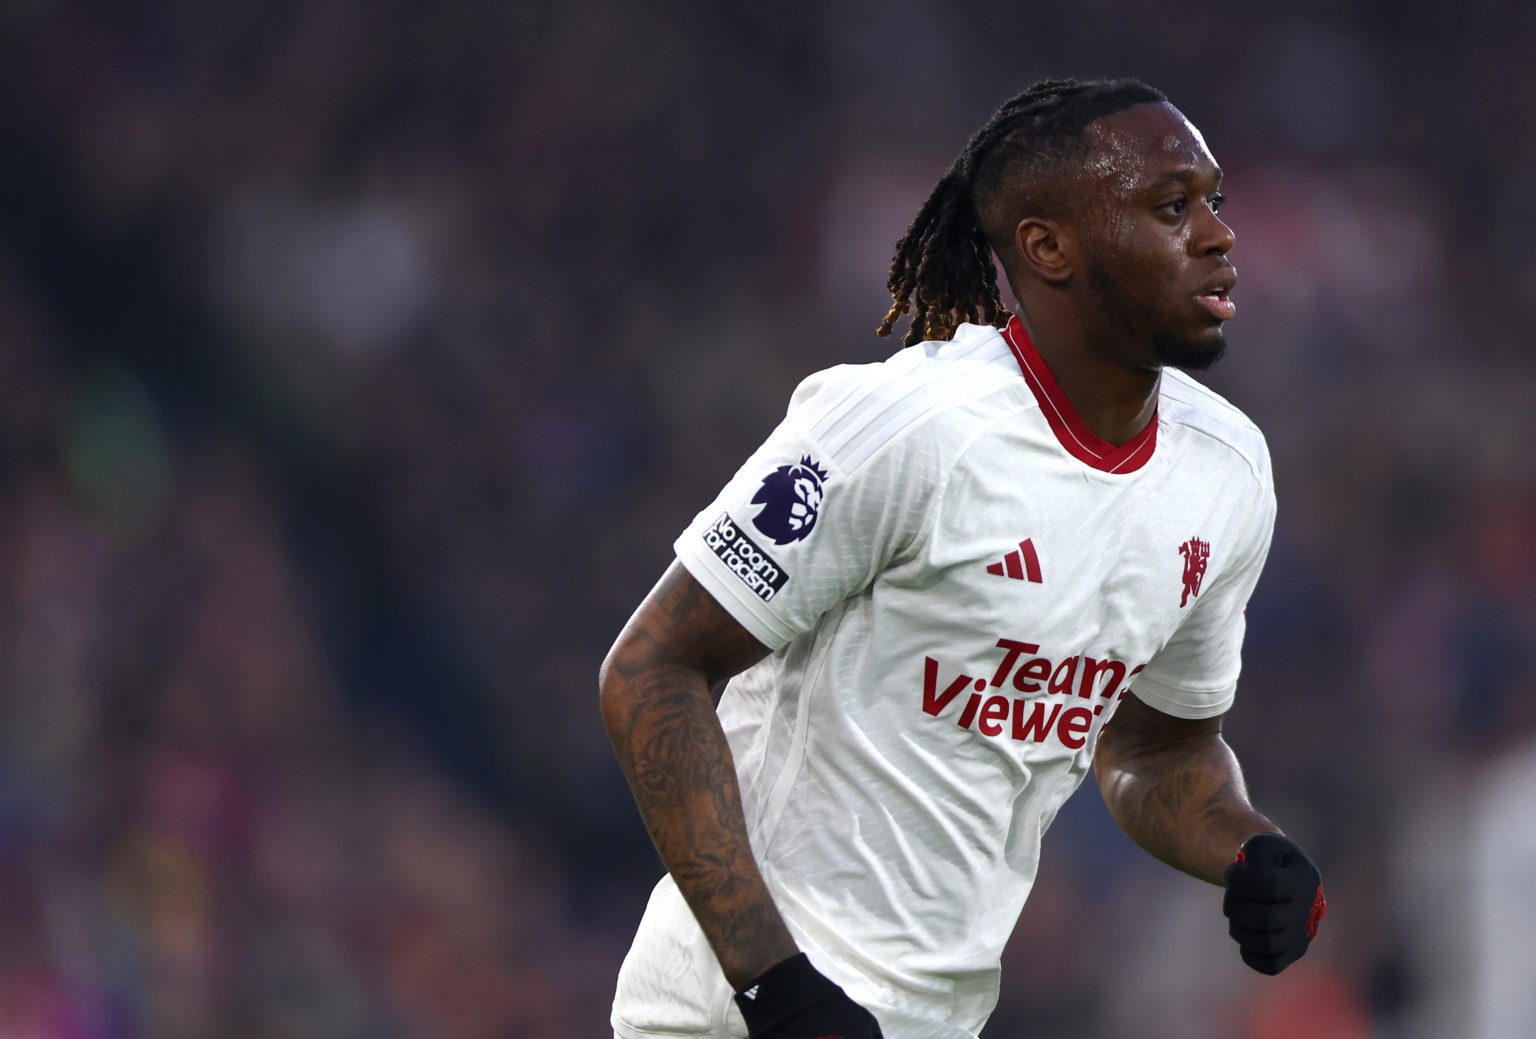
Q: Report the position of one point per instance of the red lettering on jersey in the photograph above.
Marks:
(1073, 730)
(1064, 677)
(1014, 648)
(992, 713)
(1091, 668)
(1033, 719)
(1027, 678)
(1037, 726)
(933, 700)
(969, 714)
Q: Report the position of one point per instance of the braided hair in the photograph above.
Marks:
(942, 273)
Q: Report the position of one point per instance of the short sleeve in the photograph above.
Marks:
(1195, 674)
(841, 489)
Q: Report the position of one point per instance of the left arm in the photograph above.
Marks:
(1174, 786)
(1176, 789)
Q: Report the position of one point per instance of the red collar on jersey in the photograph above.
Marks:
(1080, 441)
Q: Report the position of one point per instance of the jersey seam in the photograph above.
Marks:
(1149, 694)
(1195, 689)
(923, 417)
(775, 803)
(1207, 394)
(931, 519)
(942, 483)
(627, 1031)
(762, 624)
(919, 374)
(1250, 463)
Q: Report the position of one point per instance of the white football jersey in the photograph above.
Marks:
(959, 581)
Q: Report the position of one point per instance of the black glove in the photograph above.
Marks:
(1274, 902)
(794, 1000)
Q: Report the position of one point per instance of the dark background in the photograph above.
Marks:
(360, 361)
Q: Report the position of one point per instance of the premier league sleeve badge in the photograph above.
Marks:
(791, 498)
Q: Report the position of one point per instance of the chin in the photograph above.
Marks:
(1191, 356)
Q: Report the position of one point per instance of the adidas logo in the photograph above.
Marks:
(1021, 564)
(750, 993)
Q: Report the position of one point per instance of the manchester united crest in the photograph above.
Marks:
(1196, 553)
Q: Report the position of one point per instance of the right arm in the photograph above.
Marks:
(656, 705)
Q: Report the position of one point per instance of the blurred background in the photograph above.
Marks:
(360, 361)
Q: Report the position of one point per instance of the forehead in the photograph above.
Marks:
(1138, 146)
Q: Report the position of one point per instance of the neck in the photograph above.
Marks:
(1114, 398)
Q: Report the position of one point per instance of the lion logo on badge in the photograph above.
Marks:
(791, 499)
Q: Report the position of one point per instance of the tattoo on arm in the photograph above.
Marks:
(1176, 789)
(661, 719)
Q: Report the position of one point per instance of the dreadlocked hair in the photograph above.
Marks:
(942, 273)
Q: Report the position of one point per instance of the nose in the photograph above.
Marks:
(1217, 237)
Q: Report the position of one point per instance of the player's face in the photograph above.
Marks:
(1157, 273)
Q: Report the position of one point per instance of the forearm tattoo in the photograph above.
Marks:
(670, 745)
(1183, 800)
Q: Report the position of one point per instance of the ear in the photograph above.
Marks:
(1049, 248)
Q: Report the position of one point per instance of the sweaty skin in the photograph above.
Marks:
(1108, 294)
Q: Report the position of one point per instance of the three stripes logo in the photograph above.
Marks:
(1022, 564)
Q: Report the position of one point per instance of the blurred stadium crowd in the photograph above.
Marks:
(360, 361)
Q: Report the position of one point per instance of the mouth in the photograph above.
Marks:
(1214, 295)
(1220, 307)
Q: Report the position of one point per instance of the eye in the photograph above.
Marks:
(1216, 201)
(1177, 206)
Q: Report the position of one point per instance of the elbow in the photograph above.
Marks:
(1114, 774)
(613, 689)
(1105, 760)
(605, 675)
(625, 674)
